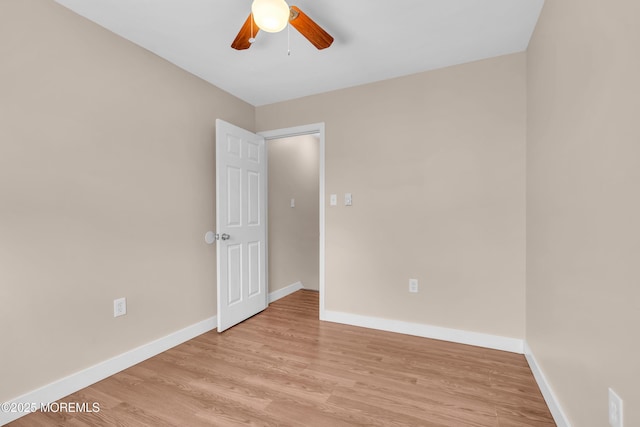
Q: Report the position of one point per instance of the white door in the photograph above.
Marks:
(241, 224)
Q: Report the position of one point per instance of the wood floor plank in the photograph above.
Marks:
(283, 367)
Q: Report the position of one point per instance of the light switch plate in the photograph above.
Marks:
(293, 203)
(333, 200)
(615, 409)
(348, 199)
(119, 307)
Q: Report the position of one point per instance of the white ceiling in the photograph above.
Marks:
(374, 39)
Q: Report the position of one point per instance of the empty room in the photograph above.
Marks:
(328, 213)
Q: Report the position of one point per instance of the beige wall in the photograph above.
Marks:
(436, 165)
(294, 232)
(106, 190)
(583, 162)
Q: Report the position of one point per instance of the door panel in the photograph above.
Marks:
(241, 221)
(253, 199)
(234, 273)
(234, 198)
(254, 268)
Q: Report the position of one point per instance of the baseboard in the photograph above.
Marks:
(545, 388)
(287, 290)
(79, 380)
(497, 342)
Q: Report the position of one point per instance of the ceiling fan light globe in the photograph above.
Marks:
(270, 15)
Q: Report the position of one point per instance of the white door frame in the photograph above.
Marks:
(295, 131)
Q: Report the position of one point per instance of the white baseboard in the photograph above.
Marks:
(497, 342)
(79, 380)
(287, 290)
(545, 388)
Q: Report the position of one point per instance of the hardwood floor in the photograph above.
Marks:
(284, 367)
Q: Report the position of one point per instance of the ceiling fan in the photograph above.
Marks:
(272, 16)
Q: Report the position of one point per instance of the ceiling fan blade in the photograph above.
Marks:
(308, 28)
(247, 32)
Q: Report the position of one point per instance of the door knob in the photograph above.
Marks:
(225, 236)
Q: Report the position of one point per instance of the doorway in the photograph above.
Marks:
(293, 212)
(296, 233)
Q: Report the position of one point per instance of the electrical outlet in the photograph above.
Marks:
(119, 307)
(615, 409)
(413, 285)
